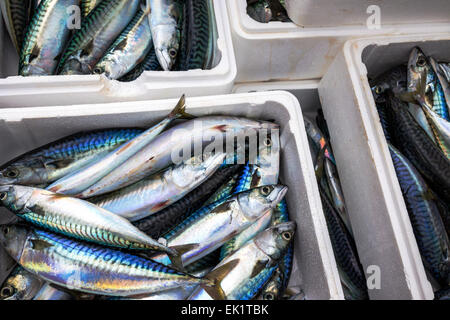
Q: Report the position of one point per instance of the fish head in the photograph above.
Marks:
(111, 69)
(13, 239)
(166, 39)
(15, 197)
(275, 240)
(268, 160)
(257, 201)
(418, 68)
(21, 285)
(30, 172)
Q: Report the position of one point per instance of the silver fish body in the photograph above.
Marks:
(80, 180)
(445, 69)
(46, 38)
(130, 48)
(242, 274)
(202, 234)
(164, 22)
(88, 5)
(88, 268)
(48, 292)
(98, 31)
(166, 149)
(20, 285)
(16, 15)
(75, 217)
(157, 192)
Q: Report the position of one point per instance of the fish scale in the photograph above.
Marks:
(16, 15)
(424, 214)
(89, 268)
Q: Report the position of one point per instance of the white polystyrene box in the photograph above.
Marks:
(366, 168)
(285, 51)
(314, 267)
(66, 90)
(337, 13)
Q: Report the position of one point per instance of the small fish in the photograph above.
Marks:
(204, 232)
(50, 292)
(16, 14)
(167, 147)
(423, 211)
(394, 80)
(20, 285)
(98, 31)
(158, 224)
(78, 181)
(164, 23)
(76, 218)
(150, 63)
(87, 6)
(88, 268)
(129, 49)
(273, 289)
(242, 274)
(46, 38)
(157, 192)
(51, 162)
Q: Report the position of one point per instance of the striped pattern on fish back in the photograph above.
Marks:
(254, 285)
(17, 12)
(102, 258)
(87, 6)
(82, 143)
(424, 215)
(89, 27)
(198, 34)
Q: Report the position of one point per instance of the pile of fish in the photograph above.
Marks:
(350, 269)
(413, 105)
(118, 38)
(116, 214)
(267, 10)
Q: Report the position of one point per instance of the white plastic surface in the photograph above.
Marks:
(328, 13)
(314, 266)
(66, 90)
(384, 236)
(285, 51)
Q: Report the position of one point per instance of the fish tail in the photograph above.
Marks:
(179, 110)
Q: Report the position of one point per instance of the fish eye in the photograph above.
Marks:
(421, 62)
(265, 190)
(11, 173)
(172, 53)
(267, 142)
(268, 296)
(378, 89)
(98, 71)
(5, 230)
(7, 292)
(3, 196)
(286, 236)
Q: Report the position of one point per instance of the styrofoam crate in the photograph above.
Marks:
(326, 13)
(366, 168)
(396, 284)
(66, 90)
(314, 266)
(285, 51)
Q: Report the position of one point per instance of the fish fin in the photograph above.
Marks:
(223, 207)
(87, 49)
(176, 258)
(179, 110)
(407, 97)
(34, 53)
(259, 266)
(122, 44)
(40, 244)
(216, 276)
(59, 163)
(58, 57)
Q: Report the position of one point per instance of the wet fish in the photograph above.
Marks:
(273, 290)
(242, 274)
(350, 270)
(20, 285)
(150, 63)
(157, 192)
(86, 267)
(203, 232)
(16, 14)
(445, 68)
(80, 180)
(260, 11)
(98, 31)
(87, 6)
(166, 148)
(427, 225)
(444, 83)
(159, 223)
(62, 157)
(164, 22)
(46, 38)
(394, 80)
(129, 49)
(49, 292)
(76, 218)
